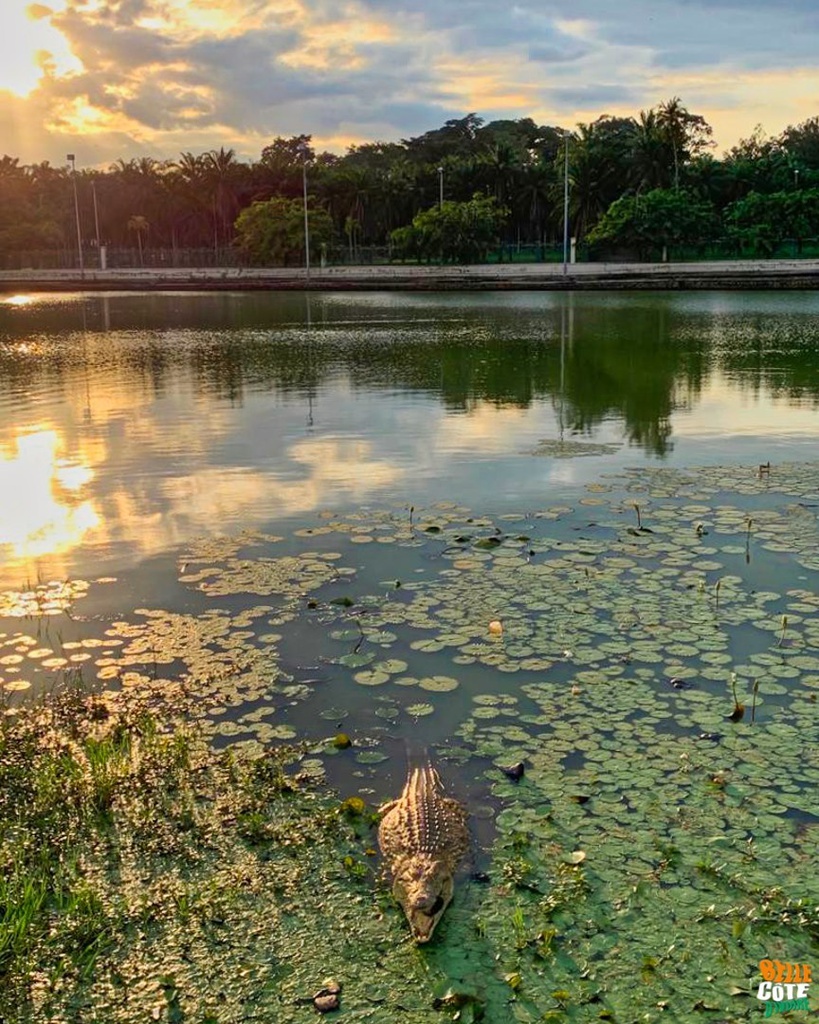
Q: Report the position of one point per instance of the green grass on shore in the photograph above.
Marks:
(146, 877)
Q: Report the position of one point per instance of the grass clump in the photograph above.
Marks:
(144, 875)
(73, 774)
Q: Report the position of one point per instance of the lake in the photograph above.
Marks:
(130, 424)
(576, 532)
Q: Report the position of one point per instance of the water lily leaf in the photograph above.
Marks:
(391, 666)
(356, 659)
(439, 684)
(371, 678)
(370, 757)
(419, 710)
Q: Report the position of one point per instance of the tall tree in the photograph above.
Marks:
(220, 174)
(282, 161)
(139, 225)
(801, 143)
(688, 134)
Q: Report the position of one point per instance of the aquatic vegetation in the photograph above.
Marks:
(572, 448)
(656, 678)
(146, 876)
(53, 598)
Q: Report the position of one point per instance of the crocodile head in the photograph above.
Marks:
(424, 890)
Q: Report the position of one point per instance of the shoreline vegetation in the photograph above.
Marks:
(147, 876)
(647, 185)
(727, 274)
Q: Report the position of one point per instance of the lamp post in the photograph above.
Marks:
(102, 250)
(70, 159)
(306, 223)
(796, 178)
(440, 187)
(565, 203)
(96, 212)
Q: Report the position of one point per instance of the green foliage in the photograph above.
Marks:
(453, 232)
(272, 232)
(375, 188)
(660, 219)
(124, 848)
(801, 143)
(759, 223)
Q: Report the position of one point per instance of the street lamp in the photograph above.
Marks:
(440, 187)
(304, 152)
(70, 159)
(796, 177)
(96, 212)
(565, 203)
(102, 250)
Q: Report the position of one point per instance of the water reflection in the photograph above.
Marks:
(129, 423)
(44, 510)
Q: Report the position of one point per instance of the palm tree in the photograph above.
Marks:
(671, 117)
(139, 224)
(535, 198)
(688, 134)
(219, 170)
(650, 153)
(189, 181)
(589, 172)
(501, 164)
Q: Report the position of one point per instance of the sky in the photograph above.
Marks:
(111, 79)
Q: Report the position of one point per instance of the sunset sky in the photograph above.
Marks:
(119, 78)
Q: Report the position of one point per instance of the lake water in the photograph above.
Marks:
(141, 434)
(578, 532)
(132, 423)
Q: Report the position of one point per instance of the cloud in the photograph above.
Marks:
(158, 76)
(556, 54)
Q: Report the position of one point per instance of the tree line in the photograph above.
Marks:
(636, 184)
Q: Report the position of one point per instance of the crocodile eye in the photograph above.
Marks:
(436, 907)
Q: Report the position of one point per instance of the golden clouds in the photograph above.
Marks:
(186, 20)
(483, 84)
(734, 102)
(186, 74)
(339, 44)
(30, 47)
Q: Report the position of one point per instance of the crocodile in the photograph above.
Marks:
(423, 836)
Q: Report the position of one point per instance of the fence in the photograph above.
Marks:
(123, 258)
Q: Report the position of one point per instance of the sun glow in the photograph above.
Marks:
(30, 47)
(48, 515)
